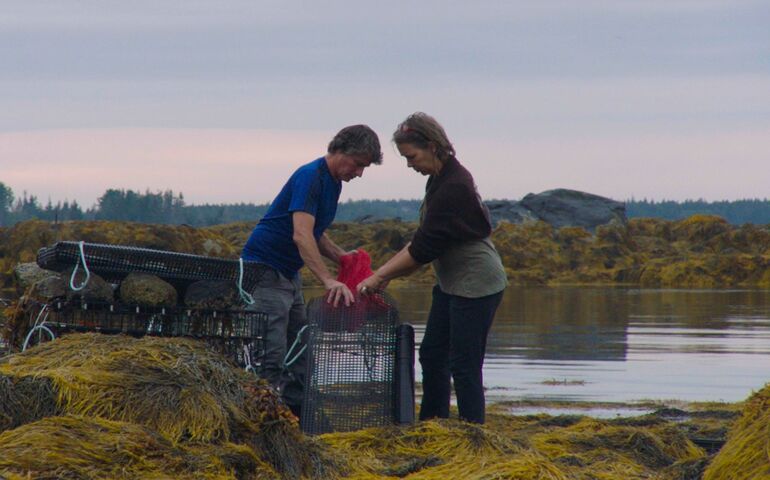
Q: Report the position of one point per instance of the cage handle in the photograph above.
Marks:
(75, 270)
(247, 359)
(287, 361)
(245, 296)
(38, 326)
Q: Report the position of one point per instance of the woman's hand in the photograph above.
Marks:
(338, 291)
(371, 283)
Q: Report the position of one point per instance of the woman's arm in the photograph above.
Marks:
(399, 265)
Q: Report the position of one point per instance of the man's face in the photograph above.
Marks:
(352, 166)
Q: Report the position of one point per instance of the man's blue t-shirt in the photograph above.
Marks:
(310, 189)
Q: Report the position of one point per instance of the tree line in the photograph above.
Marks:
(170, 208)
(737, 212)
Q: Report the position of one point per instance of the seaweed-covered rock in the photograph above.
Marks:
(72, 447)
(745, 453)
(391, 237)
(697, 251)
(700, 228)
(25, 399)
(171, 392)
(147, 290)
(211, 295)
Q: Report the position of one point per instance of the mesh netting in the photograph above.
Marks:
(114, 262)
(237, 334)
(352, 365)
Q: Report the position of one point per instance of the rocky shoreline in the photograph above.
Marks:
(697, 252)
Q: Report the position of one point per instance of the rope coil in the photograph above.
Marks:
(75, 270)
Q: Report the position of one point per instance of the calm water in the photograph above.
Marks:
(620, 344)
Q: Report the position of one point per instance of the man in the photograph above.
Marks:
(290, 235)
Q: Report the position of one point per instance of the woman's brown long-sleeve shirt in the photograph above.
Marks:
(454, 234)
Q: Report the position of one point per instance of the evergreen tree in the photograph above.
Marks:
(6, 203)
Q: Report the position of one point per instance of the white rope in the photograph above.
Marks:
(38, 326)
(247, 359)
(286, 361)
(246, 296)
(75, 270)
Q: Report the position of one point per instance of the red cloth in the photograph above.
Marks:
(355, 267)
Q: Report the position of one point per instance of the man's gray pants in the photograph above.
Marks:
(282, 300)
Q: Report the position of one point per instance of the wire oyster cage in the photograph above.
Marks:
(114, 262)
(360, 368)
(237, 334)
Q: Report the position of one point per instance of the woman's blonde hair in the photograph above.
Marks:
(422, 130)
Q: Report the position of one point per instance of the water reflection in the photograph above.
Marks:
(621, 344)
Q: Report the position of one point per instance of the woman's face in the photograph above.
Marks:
(422, 160)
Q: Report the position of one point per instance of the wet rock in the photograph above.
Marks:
(147, 290)
(49, 289)
(28, 274)
(96, 290)
(211, 295)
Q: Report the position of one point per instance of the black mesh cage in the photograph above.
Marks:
(354, 379)
(237, 334)
(114, 262)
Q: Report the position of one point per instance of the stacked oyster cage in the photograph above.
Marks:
(219, 318)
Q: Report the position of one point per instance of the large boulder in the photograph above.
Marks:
(509, 211)
(562, 208)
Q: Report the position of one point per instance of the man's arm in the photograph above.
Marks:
(311, 254)
(329, 249)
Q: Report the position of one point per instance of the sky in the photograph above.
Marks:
(222, 100)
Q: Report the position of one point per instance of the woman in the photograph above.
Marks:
(453, 235)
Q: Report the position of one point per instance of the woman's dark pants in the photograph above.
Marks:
(454, 345)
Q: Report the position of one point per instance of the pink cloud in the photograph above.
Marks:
(214, 166)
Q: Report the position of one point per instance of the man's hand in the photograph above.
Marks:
(338, 291)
